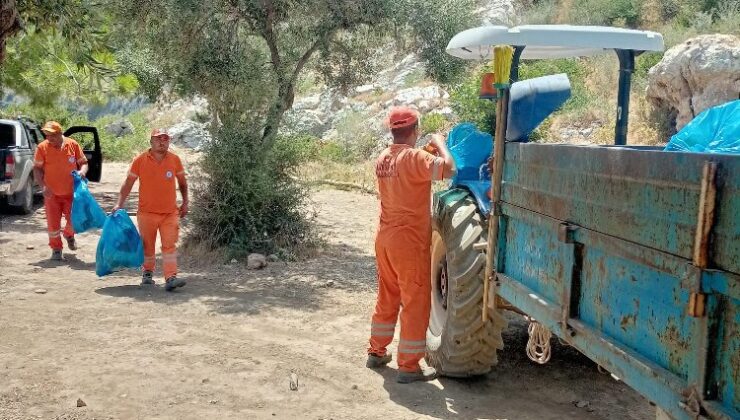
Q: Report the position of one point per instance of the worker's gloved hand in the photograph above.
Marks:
(437, 143)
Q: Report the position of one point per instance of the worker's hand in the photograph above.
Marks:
(115, 209)
(47, 192)
(438, 141)
(183, 209)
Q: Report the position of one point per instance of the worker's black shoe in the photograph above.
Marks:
(71, 243)
(56, 255)
(423, 374)
(172, 283)
(147, 278)
(374, 362)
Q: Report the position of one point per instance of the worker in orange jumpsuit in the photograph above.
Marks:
(157, 169)
(55, 160)
(402, 245)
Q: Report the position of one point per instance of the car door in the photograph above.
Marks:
(89, 139)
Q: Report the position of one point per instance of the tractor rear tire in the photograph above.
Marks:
(459, 343)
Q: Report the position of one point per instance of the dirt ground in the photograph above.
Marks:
(224, 346)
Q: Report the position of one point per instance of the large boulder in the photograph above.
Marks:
(498, 12)
(120, 128)
(190, 134)
(700, 73)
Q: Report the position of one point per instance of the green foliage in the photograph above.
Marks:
(432, 123)
(607, 12)
(574, 68)
(247, 201)
(644, 63)
(46, 68)
(465, 101)
(433, 23)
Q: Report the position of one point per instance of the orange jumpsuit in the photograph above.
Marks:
(58, 164)
(402, 250)
(158, 211)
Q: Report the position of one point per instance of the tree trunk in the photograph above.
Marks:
(10, 23)
(284, 101)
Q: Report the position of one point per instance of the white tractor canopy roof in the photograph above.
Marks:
(551, 41)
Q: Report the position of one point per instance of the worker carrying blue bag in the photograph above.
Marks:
(86, 213)
(119, 246)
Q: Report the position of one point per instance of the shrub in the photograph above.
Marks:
(464, 100)
(247, 199)
(432, 123)
(607, 12)
(575, 69)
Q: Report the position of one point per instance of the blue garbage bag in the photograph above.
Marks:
(119, 246)
(470, 148)
(716, 130)
(86, 213)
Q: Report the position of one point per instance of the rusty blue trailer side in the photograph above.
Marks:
(633, 257)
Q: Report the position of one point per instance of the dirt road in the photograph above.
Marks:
(224, 346)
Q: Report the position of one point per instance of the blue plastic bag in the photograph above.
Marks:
(119, 246)
(716, 130)
(470, 148)
(86, 213)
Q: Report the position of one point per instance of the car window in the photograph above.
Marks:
(7, 135)
(39, 136)
(24, 138)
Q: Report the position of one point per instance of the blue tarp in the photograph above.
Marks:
(86, 213)
(119, 246)
(716, 130)
(470, 148)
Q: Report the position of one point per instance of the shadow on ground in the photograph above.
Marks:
(231, 289)
(496, 395)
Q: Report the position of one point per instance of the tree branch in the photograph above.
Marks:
(268, 32)
(307, 55)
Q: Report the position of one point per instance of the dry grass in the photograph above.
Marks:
(361, 175)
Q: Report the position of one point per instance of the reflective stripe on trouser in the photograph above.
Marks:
(56, 207)
(168, 226)
(403, 280)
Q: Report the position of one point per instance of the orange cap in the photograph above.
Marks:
(160, 132)
(52, 127)
(402, 116)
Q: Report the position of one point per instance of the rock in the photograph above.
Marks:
(415, 95)
(498, 12)
(30, 247)
(365, 88)
(213, 401)
(256, 261)
(81, 403)
(205, 381)
(293, 382)
(582, 404)
(313, 122)
(120, 128)
(233, 261)
(354, 387)
(40, 291)
(190, 134)
(329, 283)
(307, 102)
(700, 73)
(273, 258)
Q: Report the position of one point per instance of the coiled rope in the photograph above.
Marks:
(538, 345)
